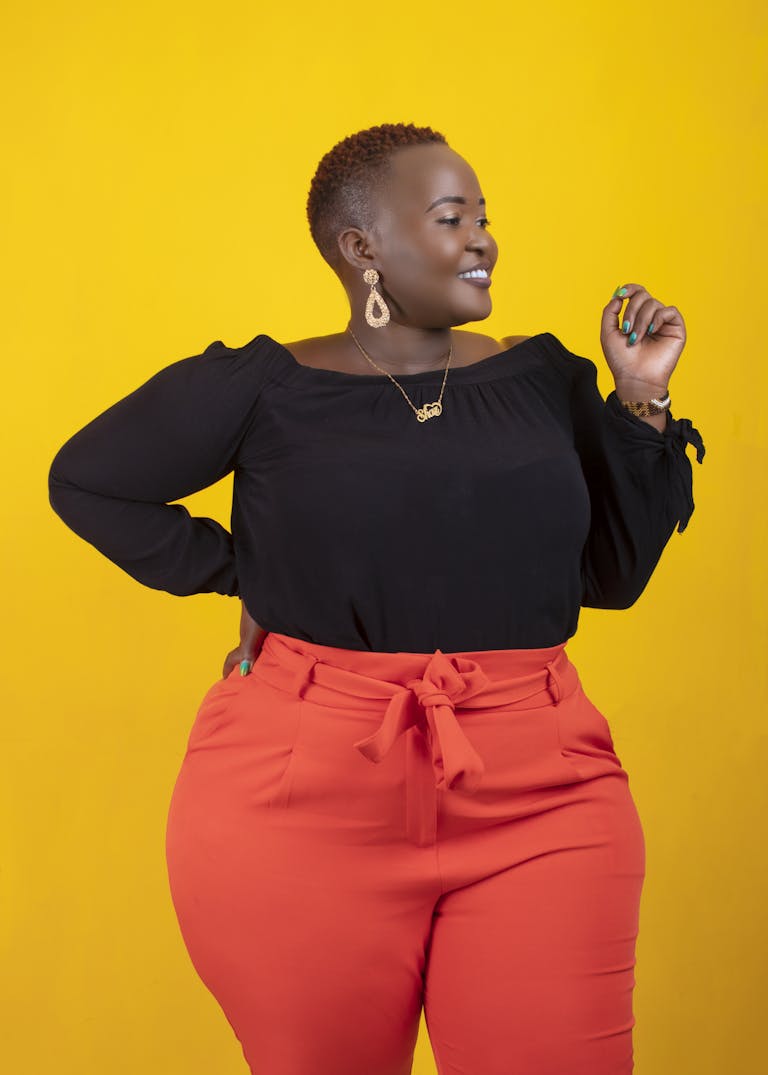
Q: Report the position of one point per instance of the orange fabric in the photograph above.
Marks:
(356, 835)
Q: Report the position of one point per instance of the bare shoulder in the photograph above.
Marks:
(489, 344)
(512, 341)
(320, 352)
(333, 351)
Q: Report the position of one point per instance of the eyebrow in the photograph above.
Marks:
(453, 198)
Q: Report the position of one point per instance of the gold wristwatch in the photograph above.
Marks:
(646, 407)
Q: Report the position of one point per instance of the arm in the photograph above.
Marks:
(251, 640)
(640, 487)
(177, 433)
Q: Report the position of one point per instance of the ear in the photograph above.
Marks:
(508, 342)
(353, 253)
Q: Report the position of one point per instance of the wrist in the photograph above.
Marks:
(636, 395)
(634, 389)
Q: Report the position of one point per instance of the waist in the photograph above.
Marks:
(358, 679)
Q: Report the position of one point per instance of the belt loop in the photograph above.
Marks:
(554, 683)
(303, 674)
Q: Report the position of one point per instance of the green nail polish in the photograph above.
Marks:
(650, 328)
(245, 667)
(632, 338)
(620, 291)
(625, 327)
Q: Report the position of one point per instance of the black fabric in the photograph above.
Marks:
(355, 525)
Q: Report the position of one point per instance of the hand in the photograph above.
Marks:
(641, 370)
(251, 640)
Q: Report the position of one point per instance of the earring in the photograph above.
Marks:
(371, 277)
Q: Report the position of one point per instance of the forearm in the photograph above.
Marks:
(250, 631)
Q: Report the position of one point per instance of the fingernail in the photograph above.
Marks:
(632, 338)
(625, 327)
(650, 328)
(619, 292)
(245, 667)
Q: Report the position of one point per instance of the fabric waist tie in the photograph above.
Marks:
(422, 692)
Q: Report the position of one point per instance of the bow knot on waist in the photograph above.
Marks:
(445, 682)
(428, 695)
(422, 709)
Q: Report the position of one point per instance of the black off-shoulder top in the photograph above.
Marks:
(355, 525)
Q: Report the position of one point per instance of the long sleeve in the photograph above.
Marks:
(640, 487)
(177, 433)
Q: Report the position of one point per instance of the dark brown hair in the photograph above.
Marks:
(349, 178)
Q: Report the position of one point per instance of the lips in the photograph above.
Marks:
(478, 281)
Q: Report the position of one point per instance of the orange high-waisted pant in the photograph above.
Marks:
(355, 835)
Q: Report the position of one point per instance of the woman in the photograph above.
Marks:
(418, 515)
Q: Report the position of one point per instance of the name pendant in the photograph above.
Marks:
(429, 410)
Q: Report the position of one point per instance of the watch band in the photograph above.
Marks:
(646, 407)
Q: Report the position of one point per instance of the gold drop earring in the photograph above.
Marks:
(371, 277)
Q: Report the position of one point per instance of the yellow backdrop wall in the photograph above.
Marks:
(158, 162)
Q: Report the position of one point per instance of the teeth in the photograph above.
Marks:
(481, 273)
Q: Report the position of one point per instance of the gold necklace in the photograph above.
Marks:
(429, 410)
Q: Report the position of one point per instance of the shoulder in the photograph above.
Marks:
(323, 346)
(254, 363)
(565, 361)
(571, 364)
(511, 341)
(484, 343)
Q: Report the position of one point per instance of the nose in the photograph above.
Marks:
(480, 241)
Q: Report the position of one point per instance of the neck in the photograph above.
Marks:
(400, 348)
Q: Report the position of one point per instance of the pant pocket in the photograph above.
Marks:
(585, 736)
(243, 740)
(216, 707)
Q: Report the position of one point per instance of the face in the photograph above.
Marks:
(419, 248)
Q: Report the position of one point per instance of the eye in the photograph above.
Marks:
(457, 220)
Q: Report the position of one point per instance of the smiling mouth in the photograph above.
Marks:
(478, 281)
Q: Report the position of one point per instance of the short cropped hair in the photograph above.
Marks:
(349, 179)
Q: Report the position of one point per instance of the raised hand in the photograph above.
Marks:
(641, 361)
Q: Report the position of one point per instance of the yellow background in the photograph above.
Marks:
(158, 159)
